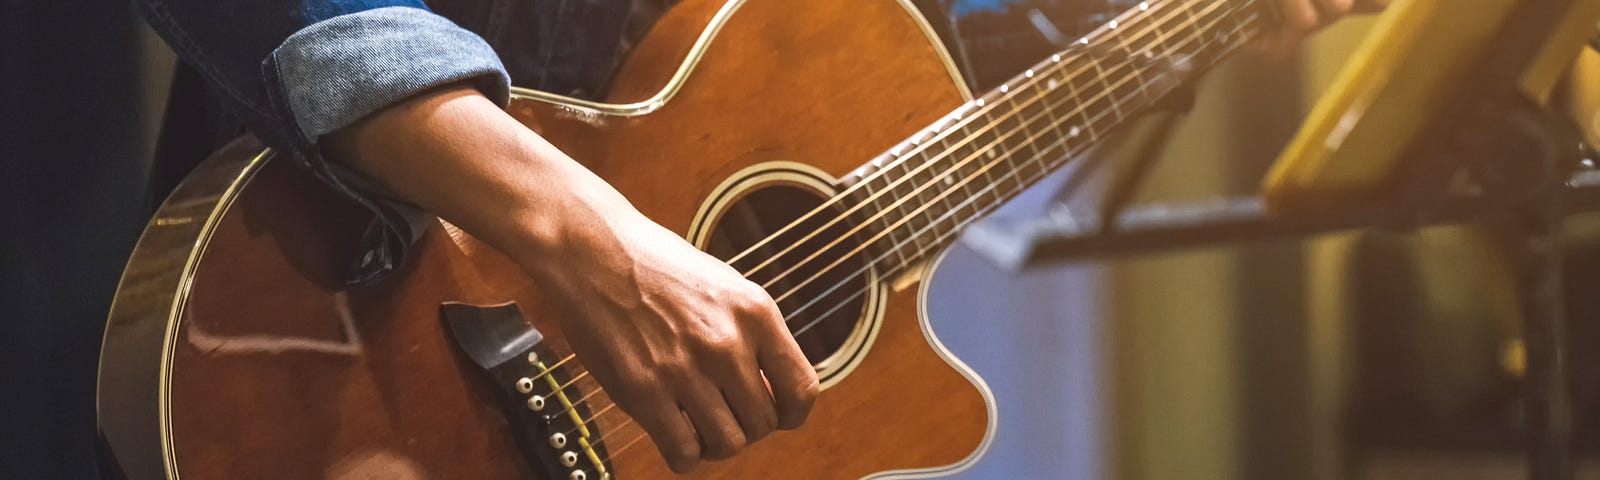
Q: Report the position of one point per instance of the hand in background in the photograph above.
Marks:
(1300, 18)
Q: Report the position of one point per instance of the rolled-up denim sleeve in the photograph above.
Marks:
(295, 70)
(341, 69)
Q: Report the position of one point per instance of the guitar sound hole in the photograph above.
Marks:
(822, 291)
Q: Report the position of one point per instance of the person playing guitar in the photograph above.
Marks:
(400, 105)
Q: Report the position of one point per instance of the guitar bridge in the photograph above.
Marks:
(553, 424)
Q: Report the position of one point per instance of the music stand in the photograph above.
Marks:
(1529, 169)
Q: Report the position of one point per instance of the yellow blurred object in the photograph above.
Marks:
(1584, 101)
(1395, 86)
(1514, 358)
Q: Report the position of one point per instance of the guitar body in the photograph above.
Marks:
(236, 350)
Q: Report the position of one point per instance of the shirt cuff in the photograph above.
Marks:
(339, 70)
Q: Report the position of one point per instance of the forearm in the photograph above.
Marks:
(459, 156)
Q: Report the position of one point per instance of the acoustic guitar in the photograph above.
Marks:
(828, 148)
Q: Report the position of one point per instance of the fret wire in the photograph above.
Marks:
(982, 207)
(1152, 12)
(884, 219)
(1022, 166)
(1060, 66)
(947, 202)
(1116, 112)
(988, 152)
(1024, 127)
(903, 164)
(1067, 150)
(1050, 114)
(920, 197)
(928, 196)
(1127, 50)
(874, 261)
(1100, 74)
(1038, 156)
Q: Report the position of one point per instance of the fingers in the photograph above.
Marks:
(1330, 10)
(720, 435)
(1370, 6)
(747, 397)
(792, 378)
(672, 434)
(1300, 18)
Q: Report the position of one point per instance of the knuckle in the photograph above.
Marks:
(725, 444)
(1338, 8)
(634, 384)
(801, 400)
(1307, 19)
(677, 371)
(760, 428)
(723, 341)
(721, 344)
(807, 394)
(682, 456)
(752, 298)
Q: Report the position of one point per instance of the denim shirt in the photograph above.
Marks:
(292, 71)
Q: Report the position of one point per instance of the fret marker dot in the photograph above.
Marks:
(1005, 88)
(1030, 73)
(1053, 83)
(990, 153)
(1055, 58)
(1074, 132)
(949, 180)
(1113, 24)
(1084, 40)
(1144, 5)
(980, 102)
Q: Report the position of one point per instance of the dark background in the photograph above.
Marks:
(72, 171)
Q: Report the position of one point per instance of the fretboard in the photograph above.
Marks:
(914, 198)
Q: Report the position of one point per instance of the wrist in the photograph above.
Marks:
(457, 155)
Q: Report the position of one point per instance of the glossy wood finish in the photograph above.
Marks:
(279, 370)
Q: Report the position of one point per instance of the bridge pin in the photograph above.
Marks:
(558, 440)
(525, 385)
(578, 475)
(568, 458)
(536, 403)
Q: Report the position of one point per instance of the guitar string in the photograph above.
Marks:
(946, 131)
(1016, 109)
(593, 418)
(627, 422)
(965, 119)
(1037, 96)
(919, 250)
(914, 240)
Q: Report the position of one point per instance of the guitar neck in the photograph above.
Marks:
(916, 196)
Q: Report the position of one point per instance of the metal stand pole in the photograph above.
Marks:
(1547, 390)
(1536, 222)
